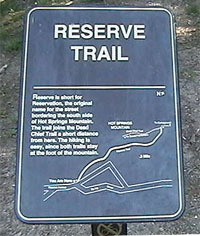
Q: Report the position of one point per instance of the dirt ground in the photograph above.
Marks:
(188, 35)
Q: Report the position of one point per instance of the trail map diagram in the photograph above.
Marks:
(80, 184)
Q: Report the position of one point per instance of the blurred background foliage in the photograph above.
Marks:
(11, 21)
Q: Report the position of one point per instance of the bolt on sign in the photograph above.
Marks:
(99, 125)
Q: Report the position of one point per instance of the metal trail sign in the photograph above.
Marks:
(99, 128)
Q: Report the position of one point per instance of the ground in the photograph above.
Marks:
(187, 15)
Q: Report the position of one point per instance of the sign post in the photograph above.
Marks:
(99, 131)
(109, 229)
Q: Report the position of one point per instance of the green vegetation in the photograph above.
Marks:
(52, 2)
(13, 45)
(8, 6)
(11, 21)
(193, 9)
(11, 18)
(189, 73)
(3, 113)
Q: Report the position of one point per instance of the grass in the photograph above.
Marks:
(3, 114)
(7, 6)
(189, 73)
(52, 2)
(11, 22)
(193, 9)
(14, 45)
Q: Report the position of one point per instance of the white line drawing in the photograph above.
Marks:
(124, 146)
(80, 184)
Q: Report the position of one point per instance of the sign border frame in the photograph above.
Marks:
(98, 219)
